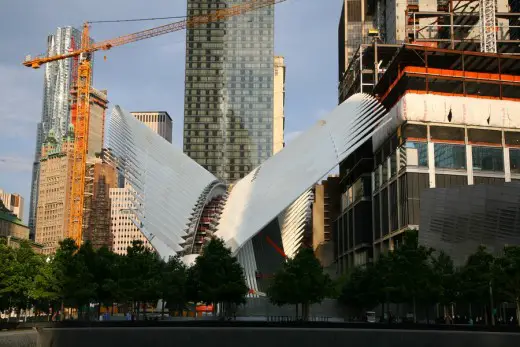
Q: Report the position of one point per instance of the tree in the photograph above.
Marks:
(506, 271)
(445, 280)
(217, 277)
(106, 271)
(300, 281)
(412, 266)
(476, 276)
(173, 284)
(359, 290)
(23, 267)
(7, 257)
(47, 289)
(139, 275)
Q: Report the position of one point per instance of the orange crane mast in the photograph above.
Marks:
(84, 55)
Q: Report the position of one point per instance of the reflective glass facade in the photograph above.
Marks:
(448, 156)
(228, 104)
(514, 159)
(488, 158)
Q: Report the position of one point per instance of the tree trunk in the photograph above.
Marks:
(414, 311)
(162, 309)
(470, 312)
(62, 311)
(518, 311)
(485, 315)
(296, 311)
(305, 312)
(138, 310)
(427, 314)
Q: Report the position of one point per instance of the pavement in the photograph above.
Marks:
(19, 338)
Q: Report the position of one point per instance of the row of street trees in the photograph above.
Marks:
(77, 277)
(423, 277)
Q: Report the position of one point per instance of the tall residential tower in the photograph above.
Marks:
(228, 112)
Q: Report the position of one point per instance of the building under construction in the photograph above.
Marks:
(100, 177)
(370, 33)
(452, 125)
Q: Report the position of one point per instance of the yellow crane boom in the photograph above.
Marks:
(81, 127)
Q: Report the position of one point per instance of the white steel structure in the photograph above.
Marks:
(170, 186)
(296, 219)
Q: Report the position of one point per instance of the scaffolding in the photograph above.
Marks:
(427, 70)
(481, 25)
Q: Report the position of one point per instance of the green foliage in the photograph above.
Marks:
(300, 281)
(18, 267)
(216, 276)
(506, 272)
(77, 277)
(140, 274)
(413, 272)
(476, 276)
(173, 284)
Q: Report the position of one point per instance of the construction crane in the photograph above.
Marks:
(488, 26)
(84, 74)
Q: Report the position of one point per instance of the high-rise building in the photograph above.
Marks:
(101, 176)
(228, 99)
(52, 215)
(279, 104)
(124, 219)
(443, 131)
(13, 202)
(159, 121)
(123, 205)
(96, 132)
(325, 210)
(431, 23)
(56, 102)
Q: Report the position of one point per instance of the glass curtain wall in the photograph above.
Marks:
(229, 90)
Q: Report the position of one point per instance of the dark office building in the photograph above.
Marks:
(228, 111)
(458, 220)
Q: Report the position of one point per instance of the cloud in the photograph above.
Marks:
(15, 164)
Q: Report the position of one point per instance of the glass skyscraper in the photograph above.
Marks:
(228, 111)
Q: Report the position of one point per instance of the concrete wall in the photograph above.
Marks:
(260, 337)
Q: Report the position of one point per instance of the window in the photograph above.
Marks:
(488, 158)
(514, 159)
(393, 164)
(385, 170)
(415, 154)
(448, 156)
(447, 133)
(377, 177)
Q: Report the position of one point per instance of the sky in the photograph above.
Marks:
(148, 75)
